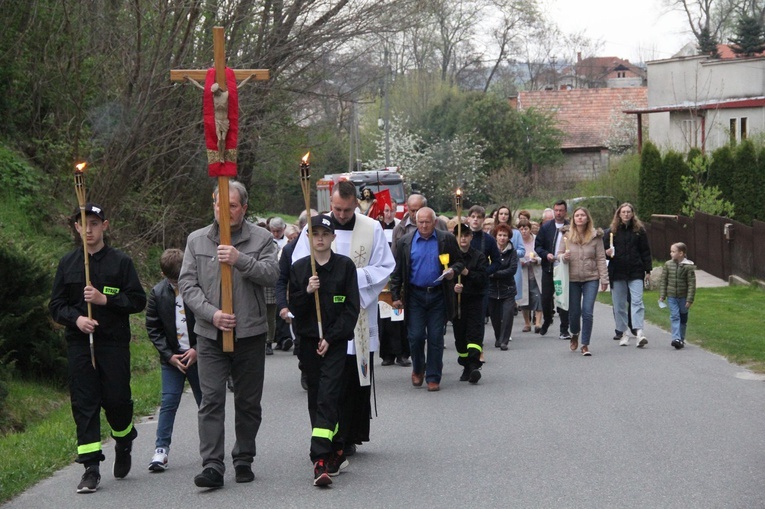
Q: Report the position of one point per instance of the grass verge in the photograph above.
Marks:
(725, 320)
(48, 440)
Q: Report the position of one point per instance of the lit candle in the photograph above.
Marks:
(612, 239)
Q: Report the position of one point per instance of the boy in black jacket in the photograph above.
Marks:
(469, 324)
(170, 325)
(114, 293)
(323, 349)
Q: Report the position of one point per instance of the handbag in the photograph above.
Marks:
(560, 280)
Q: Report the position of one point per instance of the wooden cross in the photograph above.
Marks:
(227, 304)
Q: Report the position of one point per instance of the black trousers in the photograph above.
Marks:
(326, 383)
(393, 340)
(108, 387)
(469, 330)
(502, 315)
(548, 301)
(356, 409)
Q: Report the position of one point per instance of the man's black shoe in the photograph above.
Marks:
(89, 481)
(465, 374)
(286, 345)
(474, 376)
(209, 478)
(269, 350)
(545, 326)
(122, 460)
(244, 473)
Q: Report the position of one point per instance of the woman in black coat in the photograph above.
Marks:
(502, 288)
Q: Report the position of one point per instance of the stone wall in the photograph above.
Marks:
(580, 166)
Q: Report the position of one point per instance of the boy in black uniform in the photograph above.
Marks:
(114, 292)
(469, 320)
(323, 358)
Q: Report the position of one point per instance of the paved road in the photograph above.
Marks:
(625, 428)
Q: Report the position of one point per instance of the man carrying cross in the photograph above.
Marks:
(252, 257)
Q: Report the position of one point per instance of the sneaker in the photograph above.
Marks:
(89, 481)
(618, 335)
(286, 345)
(349, 450)
(642, 341)
(336, 463)
(320, 475)
(209, 478)
(475, 375)
(565, 335)
(586, 351)
(244, 473)
(122, 460)
(625, 341)
(269, 349)
(403, 361)
(678, 344)
(159, 461)
(465, 374)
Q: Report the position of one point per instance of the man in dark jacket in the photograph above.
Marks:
(170, 326)
(546, 246)
(114, 292)
(426, 294)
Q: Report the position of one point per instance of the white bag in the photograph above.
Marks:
(560, 280)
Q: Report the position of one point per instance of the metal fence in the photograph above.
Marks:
(718, 245)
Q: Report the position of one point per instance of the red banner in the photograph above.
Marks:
(225, 125)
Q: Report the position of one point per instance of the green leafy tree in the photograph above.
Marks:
(652, 181)
(749, 39)
(721, 168)
(699, 195)
(675, 169)
(745, 185)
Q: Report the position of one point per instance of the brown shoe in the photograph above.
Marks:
(585, 351)
(417, 379)
(574, 342)
(433, 387)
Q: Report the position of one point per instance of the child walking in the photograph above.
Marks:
(678, 287)
(322, 353)
(170, 325)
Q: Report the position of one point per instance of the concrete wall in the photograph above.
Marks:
(580, 166)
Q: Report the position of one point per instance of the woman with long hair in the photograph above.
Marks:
(630, 265)
(583, 251)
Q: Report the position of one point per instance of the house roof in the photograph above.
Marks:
(586, 115)
(599, 68)
(714, 104)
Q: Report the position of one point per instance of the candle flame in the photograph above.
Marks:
(81, 166)
(305, 158)
(459, 192)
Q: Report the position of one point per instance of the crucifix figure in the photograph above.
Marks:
(221, 109)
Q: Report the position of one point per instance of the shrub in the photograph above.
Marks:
(652, 181)
(674, 170)
(745, 183)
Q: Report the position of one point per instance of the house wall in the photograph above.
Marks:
(697, 80)
(578, 166)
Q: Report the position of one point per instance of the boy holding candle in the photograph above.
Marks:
(324, 340)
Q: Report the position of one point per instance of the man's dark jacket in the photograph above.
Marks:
(399, 280)
(545, 243)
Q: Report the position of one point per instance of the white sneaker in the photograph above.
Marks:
(641, 340)
(159, 460)
(625, 340)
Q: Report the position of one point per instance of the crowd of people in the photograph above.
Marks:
(343, 286)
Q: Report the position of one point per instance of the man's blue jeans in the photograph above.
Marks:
(581, 305)
(620, 291)
(172, 389)
(426, 317)
(678, 316)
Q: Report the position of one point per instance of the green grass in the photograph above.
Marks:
(48, 440)
(726, 321)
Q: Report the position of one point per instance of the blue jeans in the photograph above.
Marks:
(581, 304)
(620, 291)
(426, 317)
(678, 316)
(172, 389)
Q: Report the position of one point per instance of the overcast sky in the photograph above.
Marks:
(632, 29)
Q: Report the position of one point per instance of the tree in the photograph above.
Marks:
(674, 168)
(707, 43)
(721, 168)
(749, 39)
(700, 196)
(745, 184)
(652, 181)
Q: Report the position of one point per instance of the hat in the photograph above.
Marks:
(323, 222)
(90, 208)
(465, 228)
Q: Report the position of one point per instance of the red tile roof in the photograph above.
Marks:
(586, 115)
(726, 52)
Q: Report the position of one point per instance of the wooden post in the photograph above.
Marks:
(224, 220)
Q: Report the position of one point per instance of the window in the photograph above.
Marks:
(732, 126)
(743, 127)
